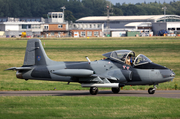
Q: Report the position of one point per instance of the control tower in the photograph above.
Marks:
(55, 17)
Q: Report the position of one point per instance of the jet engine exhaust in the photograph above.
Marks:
(19, 75)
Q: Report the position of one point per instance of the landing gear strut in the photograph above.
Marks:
(93, 90)
(152, 90)
(115, 90)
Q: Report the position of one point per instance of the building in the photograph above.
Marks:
(55, 25)
(93, 26)
(15, 26)
(87, 29)
(120, 23)
(172, 27)
(139, 26)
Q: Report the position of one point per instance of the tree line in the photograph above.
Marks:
(76, 9)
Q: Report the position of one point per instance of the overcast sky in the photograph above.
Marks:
(138, 1)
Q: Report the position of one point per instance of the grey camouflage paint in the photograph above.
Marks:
(104, 71)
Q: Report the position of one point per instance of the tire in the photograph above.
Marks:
(151, 91)
(115, 90)
(93, 90)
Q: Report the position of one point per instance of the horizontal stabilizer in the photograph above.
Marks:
(73, 72)
(19, 68)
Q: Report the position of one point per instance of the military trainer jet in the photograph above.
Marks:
(120, 68)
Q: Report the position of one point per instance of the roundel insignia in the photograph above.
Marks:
(38, 58)
(124, 66)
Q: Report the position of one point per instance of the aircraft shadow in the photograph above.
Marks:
(101, 93)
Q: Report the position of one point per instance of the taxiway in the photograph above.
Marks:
(136, 93)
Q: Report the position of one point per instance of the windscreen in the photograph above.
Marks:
(141, 59)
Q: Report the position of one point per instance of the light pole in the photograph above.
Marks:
(108, 21)
(164, 12)
(108, 18)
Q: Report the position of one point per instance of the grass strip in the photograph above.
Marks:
(88, 107)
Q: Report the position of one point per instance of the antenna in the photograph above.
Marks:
(108, 7)
(164, 12)
(63, 8)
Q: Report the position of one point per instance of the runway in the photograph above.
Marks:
(136, 93)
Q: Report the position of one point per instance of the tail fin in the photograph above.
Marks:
(35, 54)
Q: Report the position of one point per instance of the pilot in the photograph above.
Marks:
(129, 60)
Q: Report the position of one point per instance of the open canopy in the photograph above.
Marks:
(123, 55)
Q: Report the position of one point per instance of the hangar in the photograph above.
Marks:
(121, 21)
(157, 22)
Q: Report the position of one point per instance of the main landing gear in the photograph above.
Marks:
(94, 90)
(152, 90)
(115, 90)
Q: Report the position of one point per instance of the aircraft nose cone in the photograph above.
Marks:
(167, 73)
(172, 74)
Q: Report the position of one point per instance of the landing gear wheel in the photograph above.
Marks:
(115, 90)
(93, 90)
(151, 91)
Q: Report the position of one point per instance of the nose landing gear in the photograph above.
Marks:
(152, 90)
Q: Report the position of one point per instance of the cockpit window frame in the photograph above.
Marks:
(128, 55)
(116, 58)
(140, 63)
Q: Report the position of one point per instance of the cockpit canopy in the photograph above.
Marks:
(141, 59)
(123, 55)
(119, 55)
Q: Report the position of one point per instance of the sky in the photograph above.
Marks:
(138, 1)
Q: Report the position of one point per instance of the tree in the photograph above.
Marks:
(69, 16)
(117, 12)
(82, 8)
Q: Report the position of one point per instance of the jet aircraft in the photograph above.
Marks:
(119, 68)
